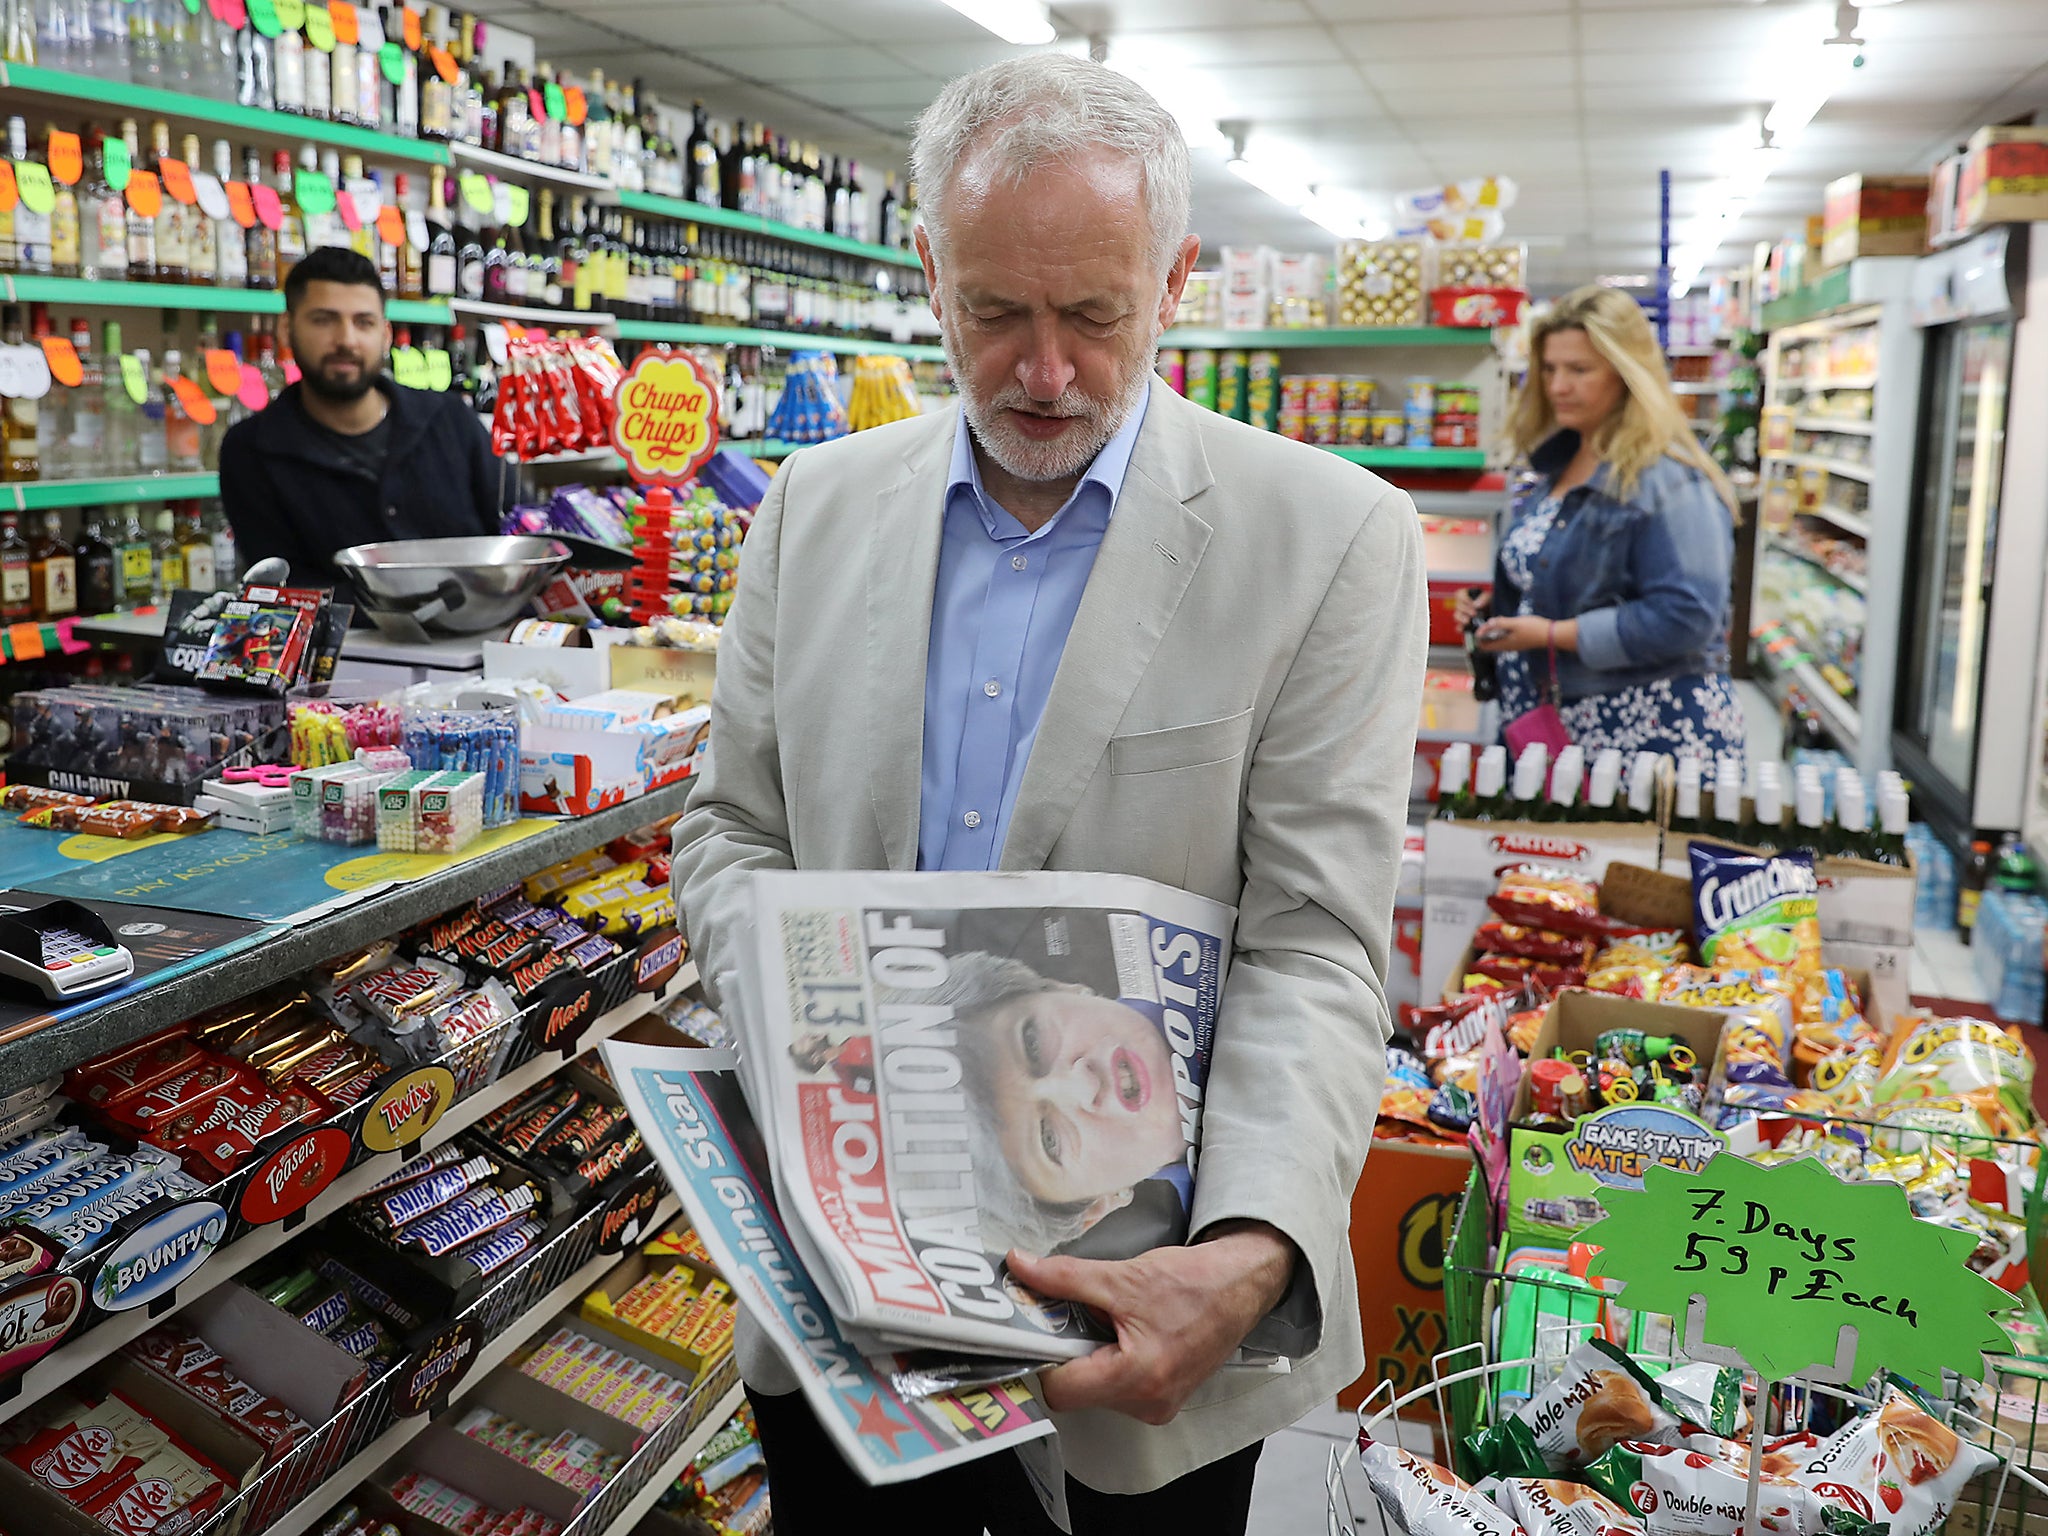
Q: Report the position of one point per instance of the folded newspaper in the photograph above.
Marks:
(944, 1067)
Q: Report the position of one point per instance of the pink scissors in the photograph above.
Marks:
(268, 775)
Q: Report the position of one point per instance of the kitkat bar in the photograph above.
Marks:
(174, 1482)
(81, 1452)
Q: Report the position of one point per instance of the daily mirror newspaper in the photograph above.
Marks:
(698, 1127)
(955, 1065)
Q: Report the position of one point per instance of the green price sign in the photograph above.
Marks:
(38, 195)
(320, 28)
(391, 59)
(264, 18)
(440, 370)
(291, 14)
(1784, 1258)
(191, 7)
(556, 103)
(315, 193)
(409, 367)
(133, 379)
(518, 203)
(476, 191)
(114, 153)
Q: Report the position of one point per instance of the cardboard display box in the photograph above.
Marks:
(1873, 216)
(1402, 1213)
(2004, 178)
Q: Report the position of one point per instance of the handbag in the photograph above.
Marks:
(1544, 725)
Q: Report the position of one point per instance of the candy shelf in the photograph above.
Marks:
(753, 224)
(788, 341)
(94, 1345)
(1412, 458)
(118, 96)
(86, 293)
(492, 163)
(1285, 341)
(631, 1494)
(59, 1046)
(41, 495)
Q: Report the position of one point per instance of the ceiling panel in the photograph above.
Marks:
(796, 66)
(703, 27)
(1507, 36)
(1458, 79)
(1220, 48)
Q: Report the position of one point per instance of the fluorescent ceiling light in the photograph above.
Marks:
(1183, 98)
(1281, 186)
(1023, 22)
(1810, 87)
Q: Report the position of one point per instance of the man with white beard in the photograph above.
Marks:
(1079, 623)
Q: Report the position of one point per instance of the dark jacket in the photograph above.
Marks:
(287, 490)
(1647, 578)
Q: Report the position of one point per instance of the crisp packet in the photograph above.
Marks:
(1423, 1499)
(1547, 1507)
(1899, 1465)
(1707, 1396)
(1599, 1397)
(1685, 1490)
(1939, 1058)
(1754, 910)
(1536, 896)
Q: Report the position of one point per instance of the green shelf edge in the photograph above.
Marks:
(46, 495)
(121, 95)
(1411, 458)
(1390, 336)
(84, 291)
(753, 224)
(789, 341)
(1815, 299)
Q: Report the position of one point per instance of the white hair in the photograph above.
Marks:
(1045, 108)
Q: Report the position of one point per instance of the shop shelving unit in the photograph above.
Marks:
(44, 495)
(1293, 340)
(1867, 296)
(86, 293)
(687, 212)
(788, 341)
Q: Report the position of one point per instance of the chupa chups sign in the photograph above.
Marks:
(294, 1174)
(427, 1379)
(407, 1108)
(666, 423)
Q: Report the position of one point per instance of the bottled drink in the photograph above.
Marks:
(1489, 784)
(440, 263)
(17, 583)
(99, 587)
(53, 571)
(267, 364)
(495, 262)
(1971, 879)
(436, 95)
(702, 156)
(1453, 769)
(122, 454)
(321, 228)
(347, 173)
(167, 560)
(173, 250)
(53, 411)
(102, 219)
(369, 78)
(31, 229)
(342, 79)
(231, 246)
(1603, 787)
(547, 256)
(138, 568)
(145, 43)
(291, 229)
(260, 244)
(255, 71)
(469, 256)
(892, 215)
(9, 251)
(1531, 771)
(1566, 779)
(18, 456)
(2014, 868)
(202, 251)
(1849, 838)
(227, 563)
(1642, 786)
(1809, 802)
(1767, 828)
(319, 83)
(64, 228)
(142, 253)
(1685, 810)
(1727, 824)
(181, 432)
(288, 64)
(109, 53)
(153, 449)
(412, 271)
(85, 452)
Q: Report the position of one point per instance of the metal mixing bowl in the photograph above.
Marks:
(452, 586)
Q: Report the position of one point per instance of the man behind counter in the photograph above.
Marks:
(346, 456)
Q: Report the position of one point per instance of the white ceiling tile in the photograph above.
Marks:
(1221, 48)
(795, 66)
(1476, 12)
(1423, 110)
(1113, 17)
(1699, 27)
(700, 28)
(1509, 36)
(1731, 66)
(1458, 78)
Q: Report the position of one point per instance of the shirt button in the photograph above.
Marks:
(971, 820)
(992, 688)
(1018, 562)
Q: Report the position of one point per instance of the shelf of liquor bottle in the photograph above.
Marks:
(489, 160)
(1370, 336)
(1786, 547)
(788, 341)
(1821, 461)
(1832, 424)
(753, 224)
(43, 495)
(86, 292)
(104, 95)
(1410, 458)
(534, 316)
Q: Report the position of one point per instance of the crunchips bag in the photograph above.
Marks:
(1753, 910)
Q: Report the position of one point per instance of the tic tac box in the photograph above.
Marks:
(2004, 178)
(1873, 216)
(1555, 1179)
(1866, 918)
(1463, 862)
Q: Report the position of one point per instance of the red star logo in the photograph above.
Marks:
(875, 1420)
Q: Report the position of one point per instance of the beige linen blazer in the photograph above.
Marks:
(1234, 713)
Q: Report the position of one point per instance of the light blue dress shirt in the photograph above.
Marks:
(1001, 609)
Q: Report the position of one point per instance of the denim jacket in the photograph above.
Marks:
(1647, 578)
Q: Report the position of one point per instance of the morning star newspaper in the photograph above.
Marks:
(694, 1119)
(948, 1066)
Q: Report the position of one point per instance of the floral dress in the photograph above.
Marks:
(1695, 713)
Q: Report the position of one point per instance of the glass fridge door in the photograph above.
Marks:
(1955, 543)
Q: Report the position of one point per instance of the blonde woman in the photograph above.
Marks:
(1617, 547)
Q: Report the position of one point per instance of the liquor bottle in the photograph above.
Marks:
(181, 432)
(195, 549)
(255, 71)
(1809, 809)
(412, 271)
(166, 559)
(177, 26)
(121, 452)
(319, 83)
(138, 569)
(53, 411)
(145, 44)
(99, 590)
(511, 114)
(1888, 843)
(892, 214)
(267, 364)
(700, 161)
(1566, 779)
(288, 66)
(1531, 770)
(496, 259)
(1644, 775)
(1727, 824)
(547, 257)
(9, 250)
(17, 583)
(18, 459)
(1766, 828)
(440, 262)
(102, 219)
(1489, 781)
(907, 217)
(1453, 771)
(31, 229)
(1850, 836)
(227, 560)
(402, 96)
(1685, 811)
(437, 118)
(1972, 875)
(572, 257)
(369, 78)
(85, 449)
(291, 229)
(858, 227)
(64, 228)
(260, 242)
(342, 77)
(202, 234)
(1603, 788)
(469, 255)
(152, 449)
(736, 170)
(173, 250)
(141, 228)
(53, 571)
(230, 248)
(321, 228)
